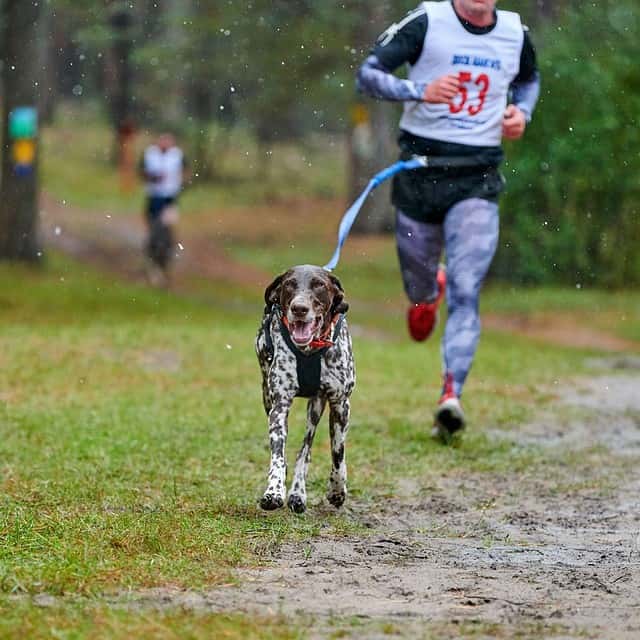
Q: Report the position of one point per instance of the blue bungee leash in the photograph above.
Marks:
(417, 162)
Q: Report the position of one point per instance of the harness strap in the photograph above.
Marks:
(308, 365)
(266, 329)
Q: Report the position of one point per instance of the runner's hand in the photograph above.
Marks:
(514, 123)
(442, 90)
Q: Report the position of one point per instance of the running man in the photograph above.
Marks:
(465, 59)
(163, 168)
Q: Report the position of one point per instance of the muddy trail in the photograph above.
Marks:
(550, 553)
(115, 243)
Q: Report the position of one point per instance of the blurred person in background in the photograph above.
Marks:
(164, 170)
(465, 59)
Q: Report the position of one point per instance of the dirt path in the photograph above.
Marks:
(548, 553)
(115, 243)
(554, 328)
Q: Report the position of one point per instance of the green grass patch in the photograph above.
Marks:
(21, 619)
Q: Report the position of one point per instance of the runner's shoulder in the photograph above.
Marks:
(402, 41)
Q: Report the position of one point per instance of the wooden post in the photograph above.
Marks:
(371, 138)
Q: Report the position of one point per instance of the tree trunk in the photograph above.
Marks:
(49, 67)
(19, 188)
(198, 90)
(371, 149)
(176, 13)
(371, 146)
(119, 80)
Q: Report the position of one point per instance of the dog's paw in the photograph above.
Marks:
(270, 502)
(297, 503)
(337, 498)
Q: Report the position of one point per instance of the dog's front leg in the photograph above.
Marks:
(338, 427)
(298, 495)
(274, 496)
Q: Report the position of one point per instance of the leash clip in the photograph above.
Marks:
(423, 160)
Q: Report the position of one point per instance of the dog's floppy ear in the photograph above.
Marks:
(339, 304)
(272, 292)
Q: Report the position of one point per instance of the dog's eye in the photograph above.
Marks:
(316, 284)
(291, 284)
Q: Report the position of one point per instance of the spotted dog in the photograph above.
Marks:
(304, 349)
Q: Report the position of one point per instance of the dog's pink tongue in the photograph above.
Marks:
(302, 332)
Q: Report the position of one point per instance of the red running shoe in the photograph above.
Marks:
(449, 416)
(422, 318)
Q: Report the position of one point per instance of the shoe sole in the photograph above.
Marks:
(449, 420)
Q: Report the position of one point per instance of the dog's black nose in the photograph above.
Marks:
(299, 309)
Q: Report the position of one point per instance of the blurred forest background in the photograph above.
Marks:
(229, 77)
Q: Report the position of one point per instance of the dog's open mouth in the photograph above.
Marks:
(302, 332)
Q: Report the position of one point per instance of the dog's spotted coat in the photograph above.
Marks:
(310, 299)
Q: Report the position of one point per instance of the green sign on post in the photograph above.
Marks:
(23, 123)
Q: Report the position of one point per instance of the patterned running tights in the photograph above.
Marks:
(469, 238)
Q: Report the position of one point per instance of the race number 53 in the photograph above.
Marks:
(482, 82)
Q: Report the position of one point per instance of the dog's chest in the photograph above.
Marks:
(290, 371)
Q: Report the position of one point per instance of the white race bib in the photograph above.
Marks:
(486, 65)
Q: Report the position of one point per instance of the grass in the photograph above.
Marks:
(98, 622)
(103, 623)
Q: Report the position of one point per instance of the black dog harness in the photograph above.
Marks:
(308, 365)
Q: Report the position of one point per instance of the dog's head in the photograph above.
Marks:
(310, 297)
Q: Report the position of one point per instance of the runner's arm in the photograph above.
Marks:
(526, 94)
(525, 89)
(400, 44)
(375, 80)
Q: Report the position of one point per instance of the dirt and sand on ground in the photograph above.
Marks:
(116, 243)
(555, 548)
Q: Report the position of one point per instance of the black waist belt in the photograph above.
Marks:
(447, 162)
